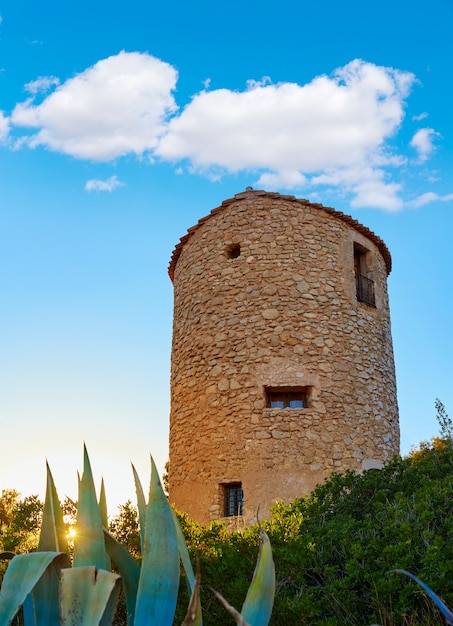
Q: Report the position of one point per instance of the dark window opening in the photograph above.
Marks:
(364, 285)
(287, 398)
(234, 251)
(233, 497)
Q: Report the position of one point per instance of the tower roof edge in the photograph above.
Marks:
(250, 193)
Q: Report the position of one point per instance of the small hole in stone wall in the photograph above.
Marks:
(234, 251)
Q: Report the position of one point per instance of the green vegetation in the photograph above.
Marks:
(334, 550)
(338, 552)
(55, 585)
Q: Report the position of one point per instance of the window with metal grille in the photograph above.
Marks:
(364, 284)
(233, 497)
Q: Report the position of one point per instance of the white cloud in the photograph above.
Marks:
(4, 126)
(427, 198)
(103, 185)
(42, 84)
(423, 143)
(334, 131)
(116, 107)
(331, 124)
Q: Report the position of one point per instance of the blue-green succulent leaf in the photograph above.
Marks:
(20, 578)
(443, 608)
(53, 532)
(41, 608)
(129, 571)
(45, 596)
(184, 553)
(141, 505)
(89, 547)
(88, 596)
(257, 608)
(159, 576)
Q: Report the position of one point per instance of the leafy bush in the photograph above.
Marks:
(333, 549)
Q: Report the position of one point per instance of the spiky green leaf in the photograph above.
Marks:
(104, 517)
(257, 608)
(89, 547)
(184, 553)
(45, 598)
(53, 532)
(141, 505)
(20, 578)
(88, 596)
(129, 571)
(159, 576)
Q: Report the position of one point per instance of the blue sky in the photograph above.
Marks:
(123, 124)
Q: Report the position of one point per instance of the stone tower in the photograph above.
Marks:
(282, 361)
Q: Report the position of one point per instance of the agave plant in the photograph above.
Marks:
(52, 593)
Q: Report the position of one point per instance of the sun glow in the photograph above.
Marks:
(71, 532)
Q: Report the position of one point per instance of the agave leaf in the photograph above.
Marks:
(87, 596)
(443, 608)
(129, 571)
(89, 547)
(22, 574)
(104, 517)
(41, 608)
(193, 615)
(184, 553)
(103, 505)
(257, 608)
(53, 532)
(44, 598)
(28, 610)
(159, 576)
(141, 505)
(237, 616)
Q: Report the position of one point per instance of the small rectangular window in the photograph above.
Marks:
(287, 398)
(364, 284)
(233, 497)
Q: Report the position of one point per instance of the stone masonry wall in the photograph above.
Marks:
(282, 313)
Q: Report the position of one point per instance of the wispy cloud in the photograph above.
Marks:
(103, 185)
(429, 197)
(42, 84)
(423, 143)
(419, 118)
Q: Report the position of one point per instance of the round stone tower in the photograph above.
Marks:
(282, 361)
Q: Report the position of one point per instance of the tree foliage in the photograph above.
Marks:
(20, 520)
